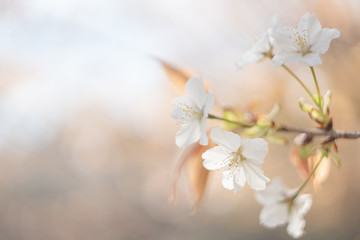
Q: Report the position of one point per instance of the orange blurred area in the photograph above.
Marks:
(87, 144)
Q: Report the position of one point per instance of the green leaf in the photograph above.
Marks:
(324, 151)
(233, 115)
(305, 106)
(306, 151)
(318, 100)
(277, 139)
(319, 116)
(274, 112)
(336, 159)
(327, 101)
(256, 131)
(264, 121)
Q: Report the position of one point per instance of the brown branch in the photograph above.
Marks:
(334, 134)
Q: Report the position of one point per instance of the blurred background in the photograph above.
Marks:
(87, 145)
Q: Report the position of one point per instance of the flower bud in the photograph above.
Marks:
(304, 106)
(256, 131)
(319, 117)
(302, 139)
(327, 101)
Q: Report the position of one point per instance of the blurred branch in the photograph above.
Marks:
(241, 124)
(334, 134)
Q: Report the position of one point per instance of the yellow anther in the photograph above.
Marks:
(237, 158)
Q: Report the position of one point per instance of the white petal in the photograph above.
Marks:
(321, 41)
(255, 149)
(215, 158)
(312, 59)
(249, 57)
(203, 134)
(286, 56)
(303, 204)
(184, 100)
(309, 22)
(178, 113)
(181, 117)
(195, 89)
(255, 176)
(237, 187)
(272, 194)
(188, 134)
(228, 180)
(262, 46)
(240, 177)
(209, 102)
(296, 226)
(281, 36)
(274, 215)
(229, 140)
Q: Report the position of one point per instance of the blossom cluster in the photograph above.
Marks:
(303, 43)
(239, 158)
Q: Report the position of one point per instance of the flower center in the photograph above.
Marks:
(188, 112)
(301, 40)
(237, 158)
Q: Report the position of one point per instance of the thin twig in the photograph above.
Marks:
(334, 134)
(307, 179)
(241, 124)
(300, 82)
(315, 80)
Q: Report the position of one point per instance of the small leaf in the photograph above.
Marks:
(335, 146)
(318, 116)
(304, 106)
(277, 139)
(318, 100)
(177, 77)
(323, 170)
(274, 112)
(306, 151)
(324, 151)
(233, 115)
(336, 159)
(327, 101)
(264, 121)
(303, 139)
(256, 131)
(300, 162)
(197, 175)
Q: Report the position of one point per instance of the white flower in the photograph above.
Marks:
(192, 111)
(279, 208)
(239, 159)
(303, 43)
(261, 48)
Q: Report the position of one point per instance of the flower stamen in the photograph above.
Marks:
(300, 40)
(237, 158)
(188, 112)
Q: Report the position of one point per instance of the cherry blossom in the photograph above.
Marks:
(261, 48)
(280, 208)
(303, 43)
(239, 159)
(191, 111)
